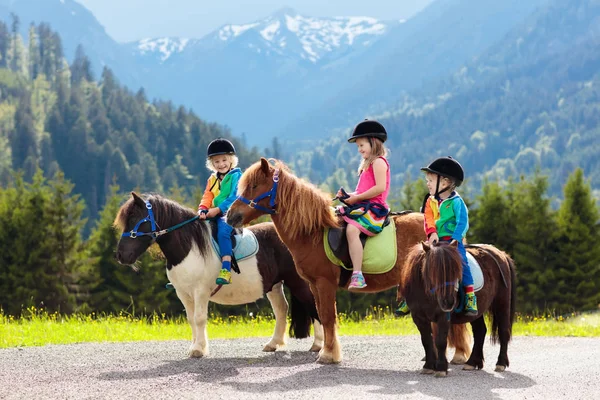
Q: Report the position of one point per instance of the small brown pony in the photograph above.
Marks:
(301, 212)
(429, 285)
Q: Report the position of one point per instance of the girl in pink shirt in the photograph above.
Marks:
(367, 208)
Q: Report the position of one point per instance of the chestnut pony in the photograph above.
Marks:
(301, 212)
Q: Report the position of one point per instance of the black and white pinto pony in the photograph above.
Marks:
(193, 266)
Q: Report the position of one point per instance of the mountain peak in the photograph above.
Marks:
(286, 31)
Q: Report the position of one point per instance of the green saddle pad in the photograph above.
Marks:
(380, 251)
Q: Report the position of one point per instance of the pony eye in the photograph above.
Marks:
(254, 186)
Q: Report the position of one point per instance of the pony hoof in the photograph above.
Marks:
(500, 368)
(273, 346)
(197, 353)
(325, 358)
(458, 360)
(440, 374)
(468, 367)
(426, 371)
(315, 348)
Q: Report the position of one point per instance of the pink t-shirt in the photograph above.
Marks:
(366, 181)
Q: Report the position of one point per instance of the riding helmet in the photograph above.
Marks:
(448, 167)
(368, 128)
(220, 146)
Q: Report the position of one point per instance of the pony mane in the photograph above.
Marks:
(168, 213)
(431, 269)
(307, 208)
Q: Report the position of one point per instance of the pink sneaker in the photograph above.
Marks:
(357, 281)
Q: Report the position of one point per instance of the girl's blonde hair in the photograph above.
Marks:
(377, 150)
(232, 159)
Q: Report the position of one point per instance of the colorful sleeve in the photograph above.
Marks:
(462, 219)
(207, 197)
(429, 219)
(225, 204)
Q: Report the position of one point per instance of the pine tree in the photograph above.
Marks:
(534, 241)
(31, 275)
(81, 69)
(492, 220)
(578, 271)
(65, 224)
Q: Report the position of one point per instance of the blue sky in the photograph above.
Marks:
(127, 20)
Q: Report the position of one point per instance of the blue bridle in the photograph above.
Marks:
(271, 195)
(154, 234)
(432, 291)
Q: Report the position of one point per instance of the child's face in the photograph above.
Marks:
(431, 180)
(364, 147)
(222, 163)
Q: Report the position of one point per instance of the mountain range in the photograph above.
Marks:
(287, 75)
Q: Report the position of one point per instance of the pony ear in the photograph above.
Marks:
(454, 243)
(138, 200)
(426, 246)
(264, 166)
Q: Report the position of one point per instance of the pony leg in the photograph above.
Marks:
(280, 309)
(441, 343)
(324, 292)
(476, 359)
(318, 333)
(200, 346)
(188, 304)
(424, 327)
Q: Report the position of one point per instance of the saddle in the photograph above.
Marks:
(235, 232)
(339, 243)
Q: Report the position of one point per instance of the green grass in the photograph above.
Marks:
(39, 328)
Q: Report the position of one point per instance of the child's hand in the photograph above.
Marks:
(352, 199)
(434, 238)
(202, 213)
(213, 212)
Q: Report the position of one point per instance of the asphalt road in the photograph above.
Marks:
(373, 368)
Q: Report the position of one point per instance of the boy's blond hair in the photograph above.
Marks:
(377, 150)
(232, 159)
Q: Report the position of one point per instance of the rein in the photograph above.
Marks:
(154, 233)
(270, 194)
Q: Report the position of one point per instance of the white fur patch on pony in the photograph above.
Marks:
(196, 274)
(475, 272)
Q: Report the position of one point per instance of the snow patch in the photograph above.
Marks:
(269, 32)
(165, 46)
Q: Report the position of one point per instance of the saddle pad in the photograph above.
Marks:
(475, 272)
(246, 245)
(379, 255)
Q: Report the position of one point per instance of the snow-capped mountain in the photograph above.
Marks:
(159, 49)
(283, 34)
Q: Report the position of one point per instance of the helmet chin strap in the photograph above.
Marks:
(437, 187)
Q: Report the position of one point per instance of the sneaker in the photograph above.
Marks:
(402, 309)
(170, 286)
(224, 277)
(471, 304)
(357, 281)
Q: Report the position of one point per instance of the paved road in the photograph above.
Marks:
(373, 367)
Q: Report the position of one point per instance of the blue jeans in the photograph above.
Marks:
(224, 237)
(467, 278)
